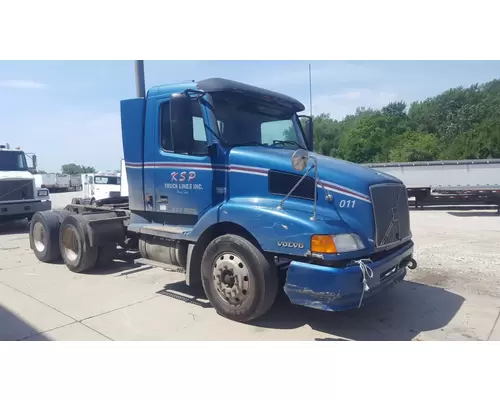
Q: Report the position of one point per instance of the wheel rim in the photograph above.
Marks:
(71, 246)
(39, 237)
(231, 278)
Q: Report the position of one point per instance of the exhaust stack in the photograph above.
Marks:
(140, 84)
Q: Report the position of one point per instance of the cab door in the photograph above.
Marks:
(183, 170)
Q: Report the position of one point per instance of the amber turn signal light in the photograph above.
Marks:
(323, 244)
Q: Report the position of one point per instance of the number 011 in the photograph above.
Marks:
(347, 203)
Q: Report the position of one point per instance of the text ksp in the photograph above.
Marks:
(181, 176)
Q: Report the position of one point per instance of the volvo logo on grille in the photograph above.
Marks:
(291, 245)
(395, 222)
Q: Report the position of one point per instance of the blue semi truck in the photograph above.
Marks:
(224, 187)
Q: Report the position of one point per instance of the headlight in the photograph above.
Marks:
(330, 244)
(43, 192)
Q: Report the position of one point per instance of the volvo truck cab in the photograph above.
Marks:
(225, 188)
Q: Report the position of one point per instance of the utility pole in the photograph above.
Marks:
(140, 85)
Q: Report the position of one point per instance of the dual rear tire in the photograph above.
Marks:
(61, 234)
(44, 234)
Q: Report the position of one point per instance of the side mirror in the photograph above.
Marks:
(300, 159)
(181, 120)
(34, 161)
(309, 132)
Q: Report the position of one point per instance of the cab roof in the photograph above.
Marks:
(214, 85)
(221, 85)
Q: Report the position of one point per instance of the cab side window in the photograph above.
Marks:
(182, 129)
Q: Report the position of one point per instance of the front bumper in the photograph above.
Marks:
(338, 289)
(24, 208)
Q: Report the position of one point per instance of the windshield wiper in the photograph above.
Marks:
(288, 142)
(251, 143)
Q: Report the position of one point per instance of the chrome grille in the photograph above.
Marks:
(16, 189)
(391, 213)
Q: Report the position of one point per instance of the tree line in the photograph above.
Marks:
(460, 123)
(69, 169)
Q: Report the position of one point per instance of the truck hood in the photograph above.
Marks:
(337, 175)
(349, 184)
(15, 175)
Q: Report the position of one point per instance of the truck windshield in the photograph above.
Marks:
(12, 161)
(244, 122)
(106, 180)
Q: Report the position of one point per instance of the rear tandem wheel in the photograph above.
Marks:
(75, 247)
(44, 234)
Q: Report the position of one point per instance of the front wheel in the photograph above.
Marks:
(239, 281)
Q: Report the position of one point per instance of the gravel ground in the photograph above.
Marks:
(61, 200)
(458, 249)
(453, 295)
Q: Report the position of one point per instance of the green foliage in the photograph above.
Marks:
(76, 169)
(414, 146)
(460, 123)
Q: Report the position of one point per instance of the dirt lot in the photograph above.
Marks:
(453, 295)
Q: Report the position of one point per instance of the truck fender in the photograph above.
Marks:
(103, 228)
(270, 230)
(286, 231)
(195, 250)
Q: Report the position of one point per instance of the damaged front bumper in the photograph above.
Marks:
(337, 289)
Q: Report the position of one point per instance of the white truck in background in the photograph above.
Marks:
(123, 180)
(104, 187)
(460, 182)
(100, 185)
(20, 195)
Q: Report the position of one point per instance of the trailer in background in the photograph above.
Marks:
(46, 181)
(54, 182)
(75, 182)
(59, 182)
(458, 182)
(62, 182)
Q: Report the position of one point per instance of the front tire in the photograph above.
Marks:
(239, 281)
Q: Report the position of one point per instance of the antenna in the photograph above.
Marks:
(310, 92)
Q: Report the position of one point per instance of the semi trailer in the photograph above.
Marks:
(20, 196)
(448, 182)
(225, 189)
(75, 182)
(59, 182)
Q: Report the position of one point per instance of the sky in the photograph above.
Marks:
(68, 111)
